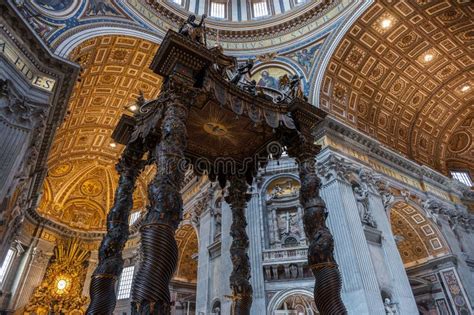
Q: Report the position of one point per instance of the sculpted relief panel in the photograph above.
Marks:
(284, 214)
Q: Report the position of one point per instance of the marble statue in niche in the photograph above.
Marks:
(293, 271)
(216, 212)
(362, 197)
(390, 308)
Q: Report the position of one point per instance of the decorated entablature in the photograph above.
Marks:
(422, 205)
(61, 288)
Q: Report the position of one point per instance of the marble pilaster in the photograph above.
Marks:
(361, 292)
(203, 298)
(254, 231)
(401, 290)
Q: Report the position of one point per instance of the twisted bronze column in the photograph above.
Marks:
(239, 278)
(327, 288)
(150, 292)
(104, 278)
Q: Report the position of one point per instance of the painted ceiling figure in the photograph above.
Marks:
(268, 81)
(56, 5)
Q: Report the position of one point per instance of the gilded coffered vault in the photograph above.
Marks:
(418, 240)
(403, 74)
(187, 241)
(79, 188)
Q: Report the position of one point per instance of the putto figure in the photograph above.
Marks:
(241, 71)
(193, 30)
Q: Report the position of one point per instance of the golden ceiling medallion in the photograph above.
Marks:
(215, 129)
(91, 187)
(460, 142)
(61, 170)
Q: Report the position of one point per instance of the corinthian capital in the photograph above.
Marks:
(335, 168)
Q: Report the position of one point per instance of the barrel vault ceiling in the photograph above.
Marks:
(403, 74)
(418, 239)
(81, 181)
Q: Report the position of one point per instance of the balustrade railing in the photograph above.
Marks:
(285, 254)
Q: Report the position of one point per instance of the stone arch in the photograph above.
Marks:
(281, 297)
(187, 241)
(65, 47)
(274, 178)
(418, 238)
(317, 73)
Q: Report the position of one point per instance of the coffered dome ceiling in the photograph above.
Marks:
(403, 74)
(79, 188)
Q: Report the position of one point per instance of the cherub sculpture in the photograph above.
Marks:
(241, 71)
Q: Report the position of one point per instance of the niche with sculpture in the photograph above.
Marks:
(284, 214)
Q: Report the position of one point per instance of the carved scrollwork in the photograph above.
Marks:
(19, 110)
(203, 203)
(335, 167)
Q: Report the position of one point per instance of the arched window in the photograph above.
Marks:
(125, 283)
(179, 2)
(290, 242)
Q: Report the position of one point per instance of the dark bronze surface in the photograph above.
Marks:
(150, 293)
(239, 278)
(231, 127)
(327, 288)
(104, 278)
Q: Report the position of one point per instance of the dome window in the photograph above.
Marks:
(218, 9)
(259, 8)
(178, 2)
(463, 177)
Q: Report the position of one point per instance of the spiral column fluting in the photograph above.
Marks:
(327, 288)
(150, 291)
(239, 279)
(104, 278)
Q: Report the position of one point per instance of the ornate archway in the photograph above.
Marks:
(418, 239)
(187, 241)
(292, 302)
